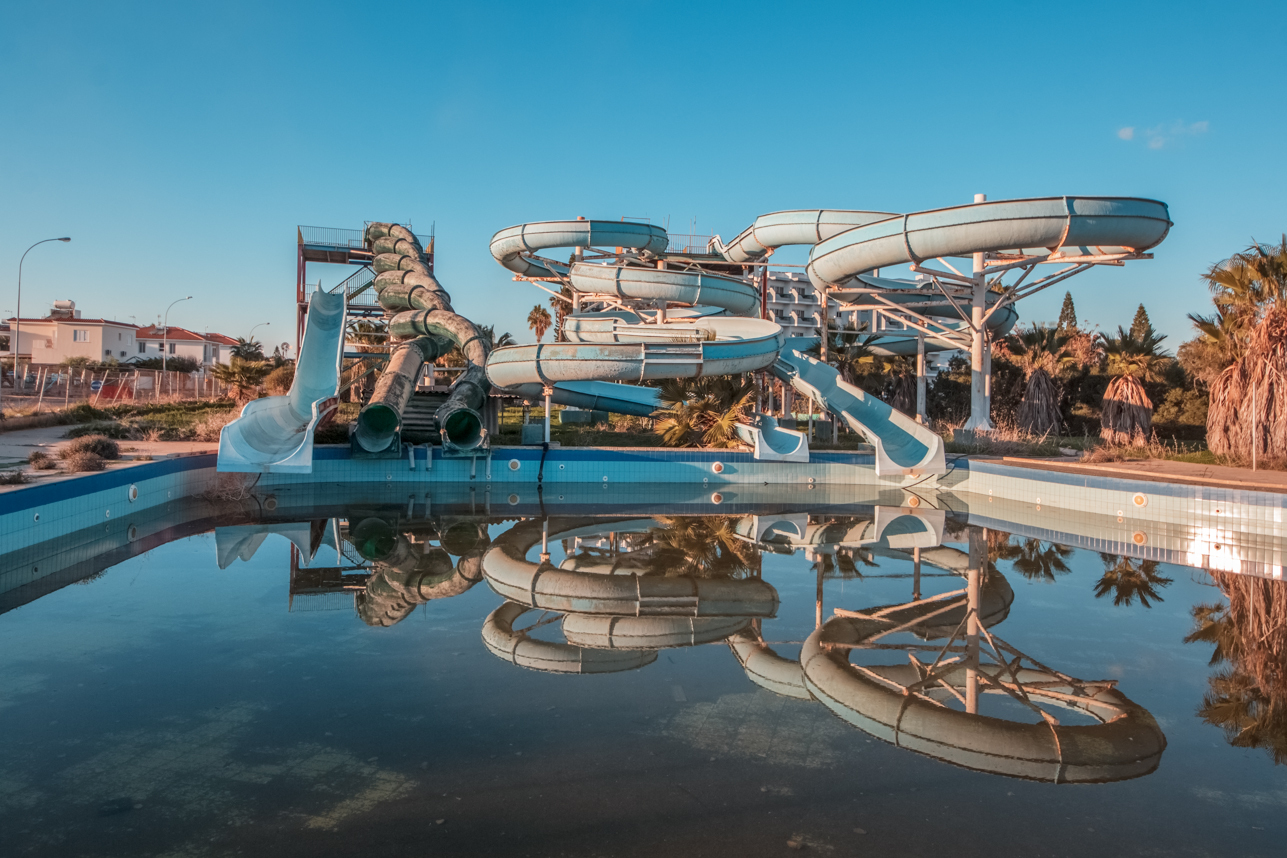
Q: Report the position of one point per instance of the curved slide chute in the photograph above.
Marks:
(274, 435)
(1065, 228)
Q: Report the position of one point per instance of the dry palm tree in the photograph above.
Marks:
(704, 411)
(1248, 699)
(539, 321)
(1248, 413)
(1128, 581)
(1127, 414)
(1041, 352)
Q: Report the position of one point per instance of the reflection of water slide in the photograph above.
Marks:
(909, 705)
(610, 600)
(582, 591)
(275, 434)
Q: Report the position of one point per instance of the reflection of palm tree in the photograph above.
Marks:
(1041, 561)
(1128, 582)
(701, 546)
(1248, 700)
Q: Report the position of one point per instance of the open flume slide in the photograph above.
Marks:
(274, 435)
(902, 445)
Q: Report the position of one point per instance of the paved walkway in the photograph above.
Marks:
(16, 446)
(1164, 471)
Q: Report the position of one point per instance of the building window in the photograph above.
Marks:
(107, 353)
(79, 336)
(122, 352)
(142, 348)
(119, 336)
(173, 346)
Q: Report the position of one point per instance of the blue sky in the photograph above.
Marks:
(180, 146)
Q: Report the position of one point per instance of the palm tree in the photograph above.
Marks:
(701, 546)
(1248, 412)
(241, 376)
(539, 321)
(704, 410)
(1127, 415)
(248, 349)
(1041, 561)
(1041, 352)
(457, 358)
(1128, 582)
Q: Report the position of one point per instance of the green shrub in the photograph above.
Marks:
(84, 413)
(278, 382)
(105, 428)
(98, 445)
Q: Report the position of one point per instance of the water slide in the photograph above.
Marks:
(275, 434)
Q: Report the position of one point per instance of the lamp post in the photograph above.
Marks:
(250, 338)
(165, 330)
(16, 339)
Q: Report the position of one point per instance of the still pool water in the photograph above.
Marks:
(371, 699)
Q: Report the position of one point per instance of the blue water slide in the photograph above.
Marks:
(275, 434)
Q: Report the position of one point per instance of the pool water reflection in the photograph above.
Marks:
(851, 679)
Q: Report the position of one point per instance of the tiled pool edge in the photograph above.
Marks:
(42, 512)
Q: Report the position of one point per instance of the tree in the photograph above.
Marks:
(457, 358)
(1128, 581)
(562, 304)
(1249, 397)
(1041, 561)
(1140, 324)
(1067, 323)
(248, 349)
(1127, 413)
(539, 321)
(241, 376)
(704, 411)
(1041, 353)
(178, 363)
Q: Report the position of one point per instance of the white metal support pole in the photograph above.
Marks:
(980, 407)
(916, 574)
(978, 557)
(548, 391)
(920, 380)
(545, 540)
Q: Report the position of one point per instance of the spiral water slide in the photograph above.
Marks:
(275, 434)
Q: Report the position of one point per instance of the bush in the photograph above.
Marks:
(13, 478)
(278, 382)
(107, 429)
(40, 461)
(98, 445)
(84, 413)
(177, 363)
(82, 461)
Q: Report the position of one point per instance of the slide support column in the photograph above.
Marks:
(921, 417)
(980, 404)
(548, 391)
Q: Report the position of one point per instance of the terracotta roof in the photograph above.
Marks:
(221, 339)
(76, 322)
(177, 334)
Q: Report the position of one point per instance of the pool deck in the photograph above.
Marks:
(1161, 471)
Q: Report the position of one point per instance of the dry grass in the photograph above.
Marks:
(97, 445)
(13, 478)
(1039, 408)
(1003, 440)
(83, 461)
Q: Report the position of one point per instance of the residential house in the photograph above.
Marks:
(205, 349)
(65, 334)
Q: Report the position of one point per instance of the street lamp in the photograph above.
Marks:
(165, 331)
(16, 339)
(250, 338)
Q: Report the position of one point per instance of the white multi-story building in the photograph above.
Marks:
(66, 334)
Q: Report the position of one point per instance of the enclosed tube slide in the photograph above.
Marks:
(274, 435)
(405, 285)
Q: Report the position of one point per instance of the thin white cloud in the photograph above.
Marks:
(1160, 136)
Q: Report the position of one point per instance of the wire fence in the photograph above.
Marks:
(37, 388)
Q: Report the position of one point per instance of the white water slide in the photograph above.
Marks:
(275, 434)
(713, 336)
